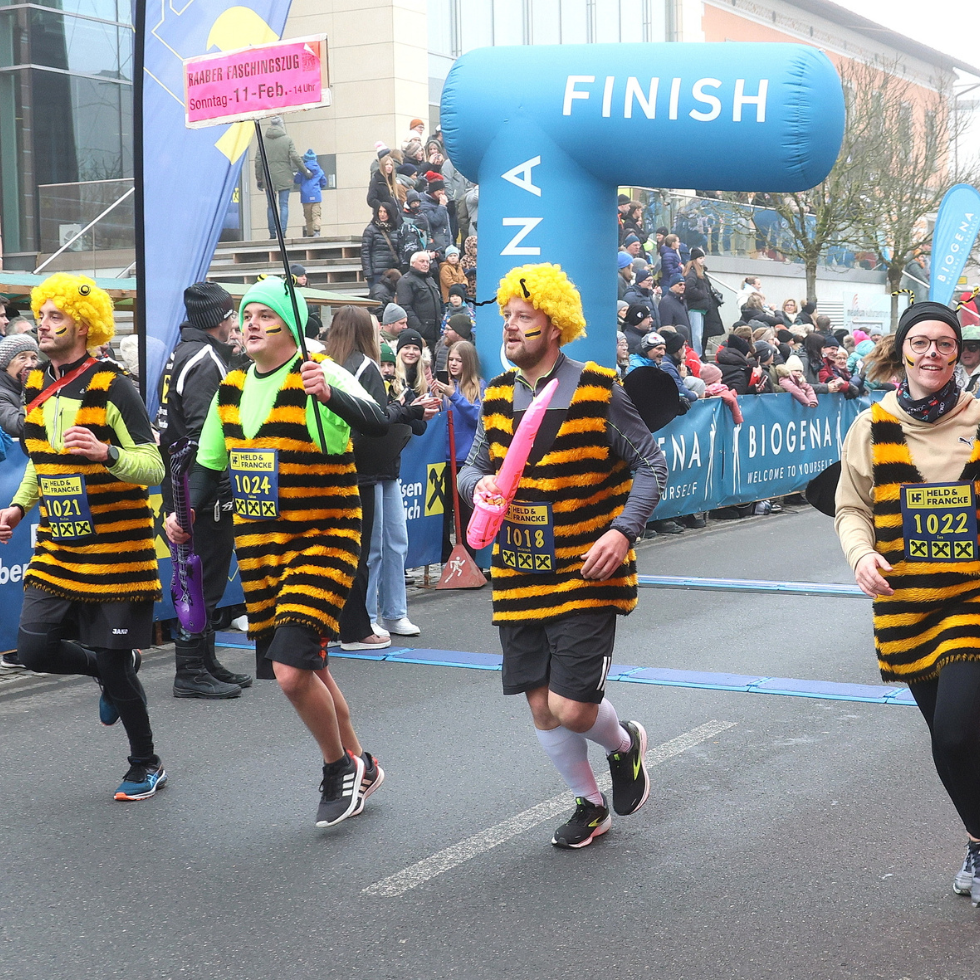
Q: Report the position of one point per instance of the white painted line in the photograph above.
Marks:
(445, 860)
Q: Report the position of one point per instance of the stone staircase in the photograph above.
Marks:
(332, 264)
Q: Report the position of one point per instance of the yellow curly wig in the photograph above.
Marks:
(548, 289)
(81, 299)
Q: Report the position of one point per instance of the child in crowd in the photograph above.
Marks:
(792, 380)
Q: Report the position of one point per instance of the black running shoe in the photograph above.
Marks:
(587, 822)
(630, 780)
(339, 790)
(373, 777)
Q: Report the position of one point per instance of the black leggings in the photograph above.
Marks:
(950, 705)
(43, 648)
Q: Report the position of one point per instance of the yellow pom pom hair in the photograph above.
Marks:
(548, 289)
(81, 299)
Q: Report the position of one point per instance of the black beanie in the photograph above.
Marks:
(207, 304)
(738, 343)
(927, 310)
(673, 341)
(410, 338)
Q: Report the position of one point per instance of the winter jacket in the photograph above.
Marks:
(450, 275)
(713, 326)
(668, 366)
(811, 371)
(380, 193)
(670, 262)
(310, 187)
(696, 293)
(419, 295)
(438, 218)
(636, 297)
(379, 457)
(284, 161)
(11, 406)
(383, 293)
(190, 379)
(802, 392)
(673, 312)
(380, 248)
(735, 369)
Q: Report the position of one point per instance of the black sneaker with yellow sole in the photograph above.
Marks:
(587, 822)
(630, 780)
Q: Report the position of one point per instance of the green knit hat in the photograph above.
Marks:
(271, 291)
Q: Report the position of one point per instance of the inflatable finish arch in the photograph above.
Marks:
(550, 132)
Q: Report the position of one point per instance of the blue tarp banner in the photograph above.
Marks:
(779, 447)
(956, 230)
(423, 493)
(189, 174)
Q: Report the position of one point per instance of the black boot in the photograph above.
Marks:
(215, 669)
(193, 679)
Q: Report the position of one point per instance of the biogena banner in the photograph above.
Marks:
(779, 447)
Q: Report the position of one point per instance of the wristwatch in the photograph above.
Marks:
(112, 456)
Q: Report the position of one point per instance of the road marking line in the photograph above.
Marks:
(446, 860)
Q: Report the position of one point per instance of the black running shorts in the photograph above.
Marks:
(570, 657)
(294, 646)
(108, 625)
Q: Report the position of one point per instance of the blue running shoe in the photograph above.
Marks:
(108, 714)
(141, 782)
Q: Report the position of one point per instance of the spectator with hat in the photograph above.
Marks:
(458, 303)
(791, 379)
(18, 357)
(624, 262)
(451, 273)
(968, 370)
(816, 347)
(673, 308)
(412, 147)
(689, 387)
(314, 325)
(311, 192)
(637, 323)
(196, 368)
(733, 359)
(457, 327)
(416, 234)
(633, 245)
(643, 291)
(433, 203)
(284, 162)
(393, 321)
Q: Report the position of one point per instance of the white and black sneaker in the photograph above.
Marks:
(373, 777)
(339, 790)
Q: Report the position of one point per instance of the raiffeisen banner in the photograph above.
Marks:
(188, 174)
(956, 230)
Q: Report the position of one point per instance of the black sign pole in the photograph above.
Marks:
(288, 276)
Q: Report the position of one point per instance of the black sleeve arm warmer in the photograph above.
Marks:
(203, 484)
(362, 415)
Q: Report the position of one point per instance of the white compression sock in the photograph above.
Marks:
(607, 731)
(570, 754)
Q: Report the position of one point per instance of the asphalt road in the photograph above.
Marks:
(784, 837)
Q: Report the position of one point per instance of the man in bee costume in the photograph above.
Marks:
(563, 564)
(90, 587)
(297, 521)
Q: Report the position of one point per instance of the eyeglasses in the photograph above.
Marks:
(921, 344)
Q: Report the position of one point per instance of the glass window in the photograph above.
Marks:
(546, 21)
(79, 45)
(657, 11)
(607, 21)
(441, 27)
(476, 24)
(574, 22)
(631, 20)
(508, 21)
(105, 9)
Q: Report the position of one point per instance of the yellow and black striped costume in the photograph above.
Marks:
(118, 562)
(587, 487)
(934, 616)
(298, 568)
